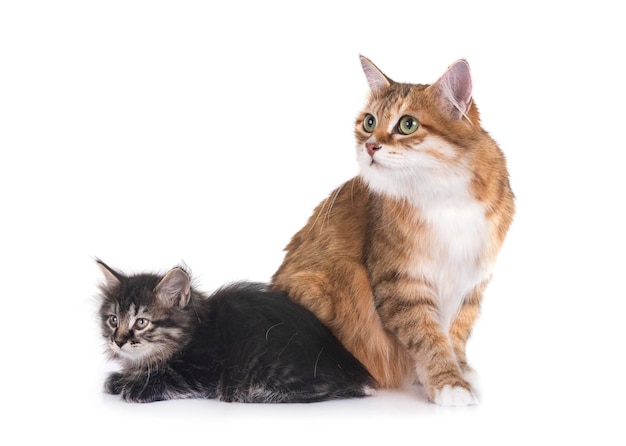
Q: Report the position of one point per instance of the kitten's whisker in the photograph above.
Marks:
(287, 345)
(316, 362)
(269, 329)
(147, 378)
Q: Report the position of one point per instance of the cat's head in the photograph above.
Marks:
(415, 139)
(145, 318)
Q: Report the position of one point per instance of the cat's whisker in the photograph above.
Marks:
(332, 203)
(147, 377)
(267, 333)
(317, 360)
(286, 345)
(319, 213)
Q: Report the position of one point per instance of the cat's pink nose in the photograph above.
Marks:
(372, 147)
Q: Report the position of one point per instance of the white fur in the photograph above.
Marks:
(455, 261)
(474, 381)
(414, 175)
(454, 397)
(369, 391)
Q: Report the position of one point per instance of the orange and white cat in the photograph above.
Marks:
(396, 260)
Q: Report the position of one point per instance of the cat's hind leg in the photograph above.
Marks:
(342, 299)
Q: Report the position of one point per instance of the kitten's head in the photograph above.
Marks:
(420, 140)
(145, 318)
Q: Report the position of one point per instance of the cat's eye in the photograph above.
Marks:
(408, 125)
(369, 123)
(113, 321)
(141, 323)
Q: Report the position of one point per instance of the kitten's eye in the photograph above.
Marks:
(113, 321)
(408, 125)
(141, 323)
(369, 123)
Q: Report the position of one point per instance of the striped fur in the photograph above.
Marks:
(241, 344)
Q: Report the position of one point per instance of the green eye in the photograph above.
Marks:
(408, 125)
(369, 123)
(141, 323)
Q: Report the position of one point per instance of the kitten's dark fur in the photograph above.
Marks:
(240, 344)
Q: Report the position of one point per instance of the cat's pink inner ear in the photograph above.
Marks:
(375, 78)
(174, 289)
(455, 88)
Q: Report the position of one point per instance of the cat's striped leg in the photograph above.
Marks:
(461, 330)
(409, 308)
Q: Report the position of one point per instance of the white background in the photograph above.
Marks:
(151, 133)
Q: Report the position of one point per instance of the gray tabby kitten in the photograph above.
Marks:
(241, 344)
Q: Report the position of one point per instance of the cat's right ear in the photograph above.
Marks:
(375, 78)
(111, 277)
(454, 90)
(174, 289)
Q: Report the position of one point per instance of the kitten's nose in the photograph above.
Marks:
(120, 340)
(372, 147)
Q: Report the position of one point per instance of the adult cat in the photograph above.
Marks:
(240, 344)
(396, 260)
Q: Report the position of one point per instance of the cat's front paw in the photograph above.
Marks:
(473, 379)
(131, 391)
(113, 384)
(454, 396)
(131, 395)
(139, 393)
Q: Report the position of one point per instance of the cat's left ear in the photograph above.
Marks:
(454, 89)
(112, 278)
(174, 289)
(375, 78)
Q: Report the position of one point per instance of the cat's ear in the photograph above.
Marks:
(174, 289)
(112, 278)
(375, 78)
(454, 90)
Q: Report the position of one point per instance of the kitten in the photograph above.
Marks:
(396, 260)
(241, 344)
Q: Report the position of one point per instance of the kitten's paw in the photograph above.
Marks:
(113, 384)
(134, 395)
(454, 396)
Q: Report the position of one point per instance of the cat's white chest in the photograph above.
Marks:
(454, 260)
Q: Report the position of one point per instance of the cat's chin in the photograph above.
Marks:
(129, 358)
(380, 180)
(370, 170)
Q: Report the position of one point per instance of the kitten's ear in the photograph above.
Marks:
(375, 78)
(454, 89)
(174, 289)
(112, 278)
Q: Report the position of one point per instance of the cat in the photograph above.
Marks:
(396, 260)
(241, 344)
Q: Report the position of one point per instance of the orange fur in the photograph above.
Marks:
(395, 261)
